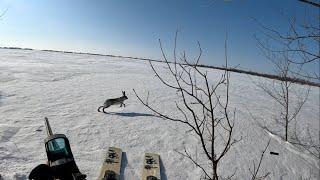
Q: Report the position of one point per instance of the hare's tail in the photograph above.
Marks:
(100, 108)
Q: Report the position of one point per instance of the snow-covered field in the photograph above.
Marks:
(68, 89)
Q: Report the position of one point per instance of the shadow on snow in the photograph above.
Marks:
(130, 114)
(124, 163)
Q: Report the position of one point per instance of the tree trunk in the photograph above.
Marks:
(287, 109)
(215, 173)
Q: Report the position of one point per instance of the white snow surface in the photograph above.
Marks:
(68, 89)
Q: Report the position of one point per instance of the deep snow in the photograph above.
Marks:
(68, 89)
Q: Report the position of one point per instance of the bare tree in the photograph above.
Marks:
(301, 42)
(291, 54)
(213, 125)
(281, 92)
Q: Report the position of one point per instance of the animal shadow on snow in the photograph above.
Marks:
(130, 114)
(124, 163)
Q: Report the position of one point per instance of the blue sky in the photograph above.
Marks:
(132, 28)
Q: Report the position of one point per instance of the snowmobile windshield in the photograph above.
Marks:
(58, 149)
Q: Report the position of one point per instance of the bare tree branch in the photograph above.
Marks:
(311, 3)
(213, 117)
(301, 43)
(255, 170)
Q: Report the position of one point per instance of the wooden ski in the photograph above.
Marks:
(151, 167)
(111, 166)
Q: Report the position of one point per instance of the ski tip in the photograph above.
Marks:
(115, 148)
(151, 154)
(151, 167)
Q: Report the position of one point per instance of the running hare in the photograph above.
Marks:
(114, 101)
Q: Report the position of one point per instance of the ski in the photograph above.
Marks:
(111, 166)
(151, 167)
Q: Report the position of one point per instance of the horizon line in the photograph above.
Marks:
(241, 71)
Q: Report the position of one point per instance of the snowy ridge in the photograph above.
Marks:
(68, 89)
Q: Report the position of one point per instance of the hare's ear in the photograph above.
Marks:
(124, 93)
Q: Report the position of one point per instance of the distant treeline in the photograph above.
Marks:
(270, 76)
